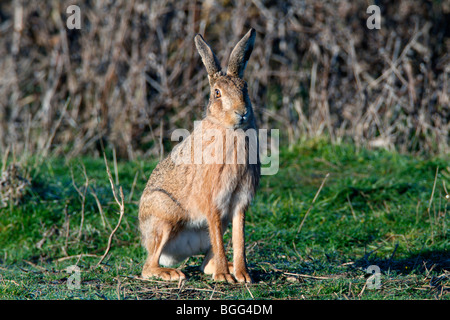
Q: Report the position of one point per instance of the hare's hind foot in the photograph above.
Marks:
(168, 274)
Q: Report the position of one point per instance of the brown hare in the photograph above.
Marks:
(187, 205)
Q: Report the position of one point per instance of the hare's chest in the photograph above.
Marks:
(236, 194)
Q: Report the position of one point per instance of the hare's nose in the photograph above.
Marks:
(242, 116)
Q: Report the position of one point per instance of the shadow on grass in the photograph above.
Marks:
(422, 262)
(432, 264)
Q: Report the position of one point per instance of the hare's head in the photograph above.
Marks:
(229, 103)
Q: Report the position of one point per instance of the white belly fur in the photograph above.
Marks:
(188, 242)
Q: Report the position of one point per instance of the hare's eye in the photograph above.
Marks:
(217, 93)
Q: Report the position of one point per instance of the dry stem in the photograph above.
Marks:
(121, 206)
(312, 204)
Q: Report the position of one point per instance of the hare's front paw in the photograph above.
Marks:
(243, 276)
(163, 273)
(224, 277)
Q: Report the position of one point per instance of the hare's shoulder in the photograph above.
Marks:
(162, 171)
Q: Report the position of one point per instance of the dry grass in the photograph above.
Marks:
(132, 74)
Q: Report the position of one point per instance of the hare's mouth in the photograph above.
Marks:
(242, 125)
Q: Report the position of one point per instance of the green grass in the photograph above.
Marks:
(375, 208)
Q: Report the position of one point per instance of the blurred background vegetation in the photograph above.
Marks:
(131, 74)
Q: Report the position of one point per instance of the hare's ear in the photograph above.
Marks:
(240, 55)
(209, 59)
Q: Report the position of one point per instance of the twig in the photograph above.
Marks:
(393, 253)
(99, 205)
(308, 276)
(367, 255)
(212, 293)
(5, 159)
(35, 265)
(116, 171)
(82, 196)
(147, 279)
(78, 256)
(121, 206)
(300, 275)
(402, 56)
(118, 287)
(54, 129)
(351, 208)
(445, 189)
(248, 289)
(362, 291)
(12, 281)
(133, 186)
(314, 200)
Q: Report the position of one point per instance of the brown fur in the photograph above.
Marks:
(186, 207)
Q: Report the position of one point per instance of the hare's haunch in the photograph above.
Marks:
(207, 181)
